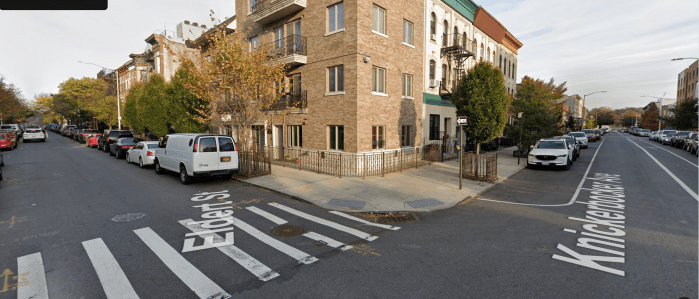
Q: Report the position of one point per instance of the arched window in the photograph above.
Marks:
(433, 25)
(513, 72)
(480, 53)
(493, 57)
(465, 41)
(432, 69)
(487, 55)
(504, 69)
(446, 32)
(455, 39)
(444, 75)
(509, 70)
(500, 62)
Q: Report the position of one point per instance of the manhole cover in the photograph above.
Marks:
(287, 230)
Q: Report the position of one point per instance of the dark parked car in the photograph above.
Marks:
(677, 140)
(84, 133)
(120, 147)
(109, 137)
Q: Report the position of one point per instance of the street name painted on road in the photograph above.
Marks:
(218, 218)
(605, 210)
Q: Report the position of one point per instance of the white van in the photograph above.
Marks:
(196, 155)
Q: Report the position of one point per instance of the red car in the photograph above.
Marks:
(92, 140)
(6, 142)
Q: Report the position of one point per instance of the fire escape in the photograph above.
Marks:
(457, 48)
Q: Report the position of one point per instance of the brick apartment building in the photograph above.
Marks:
(355, 65)
(687, 81)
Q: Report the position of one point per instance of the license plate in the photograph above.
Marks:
(225, 159)
(552, 164)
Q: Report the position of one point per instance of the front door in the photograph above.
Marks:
(294, 30)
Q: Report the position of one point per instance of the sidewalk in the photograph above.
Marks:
(428, 188)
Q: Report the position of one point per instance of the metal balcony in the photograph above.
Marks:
(291, 100)
(457, 46)
(266, 11)
(291, 50)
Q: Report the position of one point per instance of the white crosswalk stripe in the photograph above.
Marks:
(267, 215)
(190, 275)
(248, 262)
(322, 221)
(386, 226)
(299, 255)
(31, 278)
(112, 278)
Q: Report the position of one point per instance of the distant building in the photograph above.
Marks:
(187, 31)
(687, 83)
(575, 105)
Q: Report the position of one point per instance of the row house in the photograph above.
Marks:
(459, 34)
(687, 81)
(354, 65)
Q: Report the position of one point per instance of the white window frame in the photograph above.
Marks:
(405, 136)
(254, 42)
(380, 137)
(339, 74)
(337, 137)
(295, 131)
(378, 80)
(408, 86)
(407, 32)
(339, 18)
(378, 26)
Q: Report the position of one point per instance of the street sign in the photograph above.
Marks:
(461, 120)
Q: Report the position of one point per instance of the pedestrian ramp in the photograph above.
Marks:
(32, 281)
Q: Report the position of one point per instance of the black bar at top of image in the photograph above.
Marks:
(54, 5)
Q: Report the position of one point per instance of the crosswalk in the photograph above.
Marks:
(115, 283)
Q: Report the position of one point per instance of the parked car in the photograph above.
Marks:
(580, 138)
(643, 133)
(571, 142)
(32, 134)
(6, 142)
(65, 129)
(196, 155)
(92, 139)
(142, 153)
(550, 152)
(653, 135)
(120, 147)
(2, 163)
(695, 146)
(110, 137)
(83, 133)
(75, 133)
(11, 136)
(591, 135)
(677, 140)
(666, 136)
(599, 134)
(689, 141)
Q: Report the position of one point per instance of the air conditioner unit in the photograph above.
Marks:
(434, 83)
(433, 36)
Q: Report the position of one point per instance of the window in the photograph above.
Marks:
(207, 145)
(513, 71)
(379, 20)
(225, 144)
(295, 136)
(295, 83)
(509, 70)
(336, 79)
(445, 34)
(253, 6)
(254, 42)
(143, 76)
(407, 85)
(480, 54)
(432, 69)
(492, 57)
(444, 76)
(279, 37)
(504, 69)
(433, 26)
(487, 55)
(407, 32)
(434, 126)
(378, 79)
(455, 38)
(500, 63)
(377, 137)
(336, 19)
(406, 138)
(336, 138)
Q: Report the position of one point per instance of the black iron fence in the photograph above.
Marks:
(449, 150)
(482, 167)
(255, 162)
(297, 99)
(285, 46)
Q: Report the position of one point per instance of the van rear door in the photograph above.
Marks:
(206, 155)
(228, 156)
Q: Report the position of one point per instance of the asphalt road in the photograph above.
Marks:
(59, 199)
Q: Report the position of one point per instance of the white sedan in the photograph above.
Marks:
(33, 134)
(551, 152)
(142, 153)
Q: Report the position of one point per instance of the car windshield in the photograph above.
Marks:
(577, 134)
(683, 134)
(589, 131)
(669, 132)
(646, 131)
(551, 145)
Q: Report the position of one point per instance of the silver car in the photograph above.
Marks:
(666, 136)
(580, 138)
(551, 152)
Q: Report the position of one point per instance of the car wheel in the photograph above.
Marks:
(126, 157)
(575, 157)
(157, 168)
(568, 164)
(140, 162)
(184, 177)
(110, 152)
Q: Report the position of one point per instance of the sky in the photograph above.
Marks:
(623, 47)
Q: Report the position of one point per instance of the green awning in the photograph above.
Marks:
(433, 99)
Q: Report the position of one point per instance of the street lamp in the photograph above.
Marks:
(583, 109)
(675, 59)
(117, 88)
(520, 115)
(660, 100)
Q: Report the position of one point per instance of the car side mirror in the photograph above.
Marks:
(531, 147)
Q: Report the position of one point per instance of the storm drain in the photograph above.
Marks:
(390, 217)
(287, 230)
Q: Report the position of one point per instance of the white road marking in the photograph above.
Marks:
(686, 188)
(299, 255)
(671, 153)
(190, 275)
(31, 281)
(267, 215)
(248, 262)
(331, 242)
(569, 230)
(112, 278)
(386, 226)
(322, 221)
(572, 200)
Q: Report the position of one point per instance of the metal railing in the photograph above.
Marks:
(349, 164)
(482, 167)
(297, 99)
(458, 41)
(285, 46)
(255, 162)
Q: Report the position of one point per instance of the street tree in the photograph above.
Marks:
(685, 116)
(186, 111)
(537, 100)
(590, 124)
(649, 119)
(482, 97)
(629, 118)
(13, 106)
(571, 124)
(603, 116)
(240, 84)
